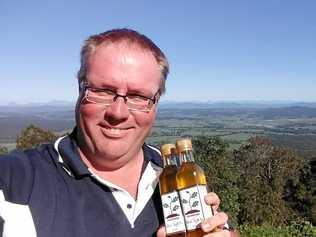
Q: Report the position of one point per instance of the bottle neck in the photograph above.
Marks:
(170, 160)
(186, 156)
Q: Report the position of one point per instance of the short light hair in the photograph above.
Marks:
(130, 37)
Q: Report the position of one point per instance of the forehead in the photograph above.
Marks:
(123, 64)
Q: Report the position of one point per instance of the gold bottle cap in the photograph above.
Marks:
(184, 145)
(168, 149)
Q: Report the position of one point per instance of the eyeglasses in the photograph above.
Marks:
(106, 97)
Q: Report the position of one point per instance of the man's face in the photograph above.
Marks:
(115, 133)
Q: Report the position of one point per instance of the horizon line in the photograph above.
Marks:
(243, 101)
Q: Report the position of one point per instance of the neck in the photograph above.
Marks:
(123, 172)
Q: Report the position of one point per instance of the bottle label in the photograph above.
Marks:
(173, 216)
(194, 207)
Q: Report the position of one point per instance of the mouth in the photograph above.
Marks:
(114, 132)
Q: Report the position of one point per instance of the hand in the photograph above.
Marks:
(213, 226)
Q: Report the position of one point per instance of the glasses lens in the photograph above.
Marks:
(104, 97)
(138, 103)
(98, 97)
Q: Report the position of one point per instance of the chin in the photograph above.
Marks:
(113, 151)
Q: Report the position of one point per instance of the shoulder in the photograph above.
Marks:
(153, 154)
(43, 153)
(26, 156)
(154, 149)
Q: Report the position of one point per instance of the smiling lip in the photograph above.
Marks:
(114, 132)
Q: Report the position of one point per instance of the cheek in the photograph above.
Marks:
(146, 120)
(89, 114)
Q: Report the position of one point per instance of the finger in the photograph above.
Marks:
(221, 233)
(215, 222)
(161, 231)
(213, 200)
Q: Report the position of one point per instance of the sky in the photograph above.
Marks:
(218, 50)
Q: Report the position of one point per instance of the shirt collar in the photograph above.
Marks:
(152, 154)
(67, 149)
(69, 157)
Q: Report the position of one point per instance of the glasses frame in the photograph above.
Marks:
(85, 87)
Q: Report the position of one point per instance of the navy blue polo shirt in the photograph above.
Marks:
(50, 192)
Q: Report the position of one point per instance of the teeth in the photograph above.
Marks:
(115, 130)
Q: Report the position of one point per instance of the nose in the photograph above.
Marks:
(117, 112)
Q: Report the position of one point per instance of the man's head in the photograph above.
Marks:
(130, 38)
(121, 77)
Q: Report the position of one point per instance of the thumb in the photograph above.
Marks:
(161, 231)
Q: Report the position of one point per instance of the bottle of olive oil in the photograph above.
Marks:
(173, 216)
(192, 187)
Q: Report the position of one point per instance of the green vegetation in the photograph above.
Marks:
(271, 186)
(222, 176)
(3, 150)
(304, 229)
(33, 136)
(259, 184)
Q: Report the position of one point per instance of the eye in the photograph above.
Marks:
(103, 92)
(137, 98)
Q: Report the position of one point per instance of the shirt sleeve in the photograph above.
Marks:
(16, 177)
(16, 181)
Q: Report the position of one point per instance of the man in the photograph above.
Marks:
(101, 180)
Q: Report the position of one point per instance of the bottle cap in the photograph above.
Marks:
(184, 145)
(168, 149)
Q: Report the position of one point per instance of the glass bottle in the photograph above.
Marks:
(192, 187)
(173, 216)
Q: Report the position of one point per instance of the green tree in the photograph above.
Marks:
(313, 189)
(212, 155)
(3, 150)
(313, 210)
(33, 136)
(265, 171)
(298, 192)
